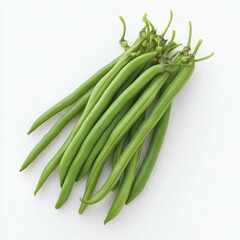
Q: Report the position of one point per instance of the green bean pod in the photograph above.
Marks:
(50, 167)
(106, 118)
(54, 162)
(128, 177)
(100, 143)
(151, 156)
(77, 107)
(74, 96)
(118, 149)
(98, 109)
(123, 126)
(155, 144)
(117, 153)
(95, 96)
(148, 124)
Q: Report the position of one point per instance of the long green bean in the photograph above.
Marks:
(76, 108)
(74, 96)
(102, 140)
(152, 119)
(125, 124)
(100, 143)
(101, 125)
(128, 177)
(151, 156)
(158, 133)
(98, 109)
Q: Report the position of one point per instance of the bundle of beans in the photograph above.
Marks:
(124, 102)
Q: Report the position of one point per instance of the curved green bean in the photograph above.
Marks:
(50, 167)
(119, 149)
(128, 177)
(125, 124)
(70, 99)
(152, 119)
(54, 162)
(151, 156)
(155, 144)
(100, 143)
(101, 125)
(98, 109)
(117, 153)
(77, 107)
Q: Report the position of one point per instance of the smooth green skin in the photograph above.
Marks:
(121, 129)
(113, 71)
(96, 94)
(119, 148)
(100, 143)
(117, 153)
(128, 177)
(154, 146)
(148, 124)
(102, 124)
(74, 96)
(96, 112)
(151, 156)
(76, 108)
(54, 162)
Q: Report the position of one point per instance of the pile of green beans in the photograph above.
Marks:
(121, 105)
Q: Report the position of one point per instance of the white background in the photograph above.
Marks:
(48, 48)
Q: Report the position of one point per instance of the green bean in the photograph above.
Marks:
(98, 109)
(54, 162)
(107, 79)
(154, 146)
(119, 148)
(149, 48)
(83, 206)
(100, 143)
(151, 156)
(125, 124)
(128, 177)
(111, 74)
(151, 120)
(158, 134)
(157, 138)
(101, 125)
(117, 153)
(48, 169)
(70, 99)
(77, 107)
(98, 147)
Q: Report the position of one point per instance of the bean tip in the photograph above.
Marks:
(81, 208)
(105, 221)
(36, 191)
(22, 168)
(58, 205)
(29, 132)
(32, 128)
